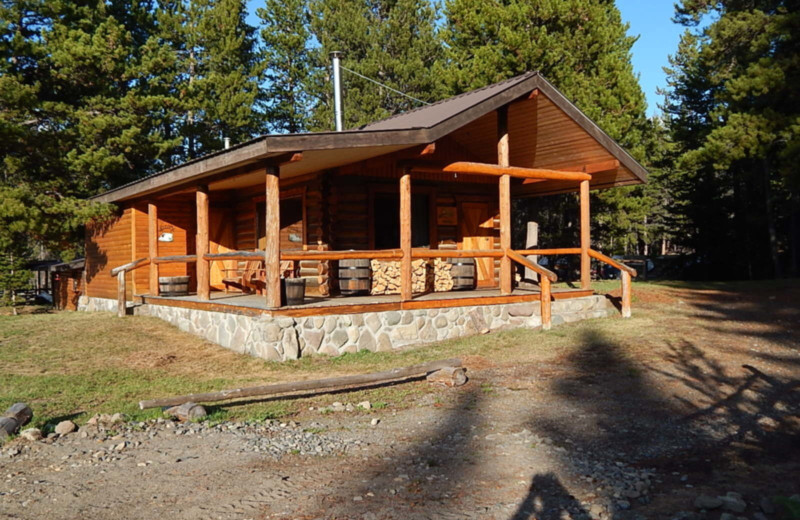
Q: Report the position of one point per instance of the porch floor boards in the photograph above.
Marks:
(254, 304)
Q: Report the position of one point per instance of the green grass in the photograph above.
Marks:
(73, 365)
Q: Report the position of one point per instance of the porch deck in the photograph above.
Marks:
(254, 304)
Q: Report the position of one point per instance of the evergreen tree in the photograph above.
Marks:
(394, 42)
(211, 70)
(582, 47)
(287, 58)
(734, 113)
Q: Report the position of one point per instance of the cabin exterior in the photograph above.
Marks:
(408, 197)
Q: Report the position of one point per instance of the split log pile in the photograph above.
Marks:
(427, 275)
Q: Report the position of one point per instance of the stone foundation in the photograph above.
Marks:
(283, 338)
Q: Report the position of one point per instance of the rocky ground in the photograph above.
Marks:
(701, 424)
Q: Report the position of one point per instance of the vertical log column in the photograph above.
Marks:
(272, 250)
(152, 245)
(201, 245)
(505, 200)
(405, 235)
(626, 294)
(586, 262)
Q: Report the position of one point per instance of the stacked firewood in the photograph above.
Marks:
(427, 275)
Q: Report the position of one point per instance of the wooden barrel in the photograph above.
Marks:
(295, 291)
(463, 273)
(173, 285)
(355, 277)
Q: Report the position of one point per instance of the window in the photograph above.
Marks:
(386, 212)
(292, 225)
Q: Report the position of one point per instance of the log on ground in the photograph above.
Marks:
(332, 383)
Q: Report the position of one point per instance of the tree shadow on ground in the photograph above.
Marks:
(406, 474)
(621, 430)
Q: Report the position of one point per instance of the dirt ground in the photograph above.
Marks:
(704, 400)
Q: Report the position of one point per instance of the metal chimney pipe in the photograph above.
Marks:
(227, 142)
(337, 90)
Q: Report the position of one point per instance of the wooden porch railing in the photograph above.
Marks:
(547, 277)
(120, 273)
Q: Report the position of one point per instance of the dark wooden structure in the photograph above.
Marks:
(436, 182)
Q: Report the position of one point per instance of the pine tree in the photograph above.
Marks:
(287, 58)
(209, 66)
(395, 43)
(582, 47)
(734, 110)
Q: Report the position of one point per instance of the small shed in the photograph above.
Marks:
(67, 281)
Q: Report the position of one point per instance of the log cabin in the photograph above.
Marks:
(399, 232)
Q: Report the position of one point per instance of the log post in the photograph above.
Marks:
(201, 245)
(626, 294)
(272, 249)
(505, 200)
(586, 262)
(405, 236)
(152, 245)
(545, 299)
(121, 303)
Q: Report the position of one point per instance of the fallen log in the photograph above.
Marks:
(448, 376)
(332, 383)
(17, 416)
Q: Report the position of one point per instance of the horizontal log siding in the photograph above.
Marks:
(112, 245)
(108, 246)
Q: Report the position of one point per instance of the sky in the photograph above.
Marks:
(658, 38)
(651, 20)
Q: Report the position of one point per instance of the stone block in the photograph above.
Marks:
(392, 318)
(338, 338)
(313, 339)
(291, 347)
(272, 332)
(367, 342)
(520, 309)
(404, 332)
(384, 342)
(373, 322)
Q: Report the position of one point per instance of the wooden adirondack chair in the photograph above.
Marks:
(289, 269)
(245, 279)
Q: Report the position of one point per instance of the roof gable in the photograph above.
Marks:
(419, 126)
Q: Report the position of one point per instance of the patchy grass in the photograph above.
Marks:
(67, 364)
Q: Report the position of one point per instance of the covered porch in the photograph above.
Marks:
(433, 185)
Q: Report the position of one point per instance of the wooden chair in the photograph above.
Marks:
(289, 269)
(245, 279)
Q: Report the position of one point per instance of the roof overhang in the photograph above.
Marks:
(371, 142)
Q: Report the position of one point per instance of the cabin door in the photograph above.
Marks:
(476, 231)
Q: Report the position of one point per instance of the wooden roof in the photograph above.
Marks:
(546, 131)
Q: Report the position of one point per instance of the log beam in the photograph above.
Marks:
(152, 245)
(405, 236)
(586, 265)
(272, 249)
(626, 294)
(201, 245)
(505, 200)
(475, 168)
(121, 299)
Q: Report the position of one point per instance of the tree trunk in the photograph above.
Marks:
(794, 230)
(773, 235)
